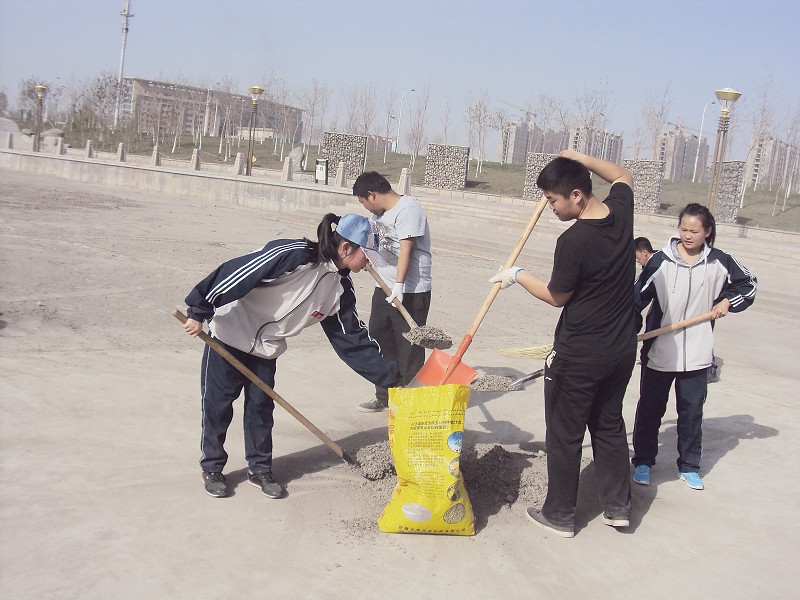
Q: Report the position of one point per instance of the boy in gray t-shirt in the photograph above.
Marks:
(404, 244)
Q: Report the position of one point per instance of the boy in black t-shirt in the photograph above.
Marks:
(594, 350)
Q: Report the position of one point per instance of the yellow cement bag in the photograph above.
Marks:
(426, 427)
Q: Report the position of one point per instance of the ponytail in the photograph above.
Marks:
(706, 218)
(327, 246)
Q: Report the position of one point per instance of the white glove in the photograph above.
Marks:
(506, 277)
(397, 292)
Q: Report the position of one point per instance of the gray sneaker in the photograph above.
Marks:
(373, 405)
(215, 484)
(616, 521)
(265, 481)
(535, 515)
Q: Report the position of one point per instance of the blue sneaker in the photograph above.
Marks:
(692, 479)
(641, 475)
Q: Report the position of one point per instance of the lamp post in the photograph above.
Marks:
(700, 140)
(726, 97)
(255, 92)
(400, 118)
(40, 92)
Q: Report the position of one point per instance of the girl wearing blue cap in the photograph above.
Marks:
(253, 303)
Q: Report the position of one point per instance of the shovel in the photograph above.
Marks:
(219, 349)
(426, 337)
(441, 368)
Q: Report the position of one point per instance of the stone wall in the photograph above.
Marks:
(341, 147)
(534, 163)
(446, 167)
(730, 189)
(648, 181)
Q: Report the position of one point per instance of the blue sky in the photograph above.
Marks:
(513, 50)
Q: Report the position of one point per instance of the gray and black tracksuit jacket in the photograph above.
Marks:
(681, 291)
(254, 302)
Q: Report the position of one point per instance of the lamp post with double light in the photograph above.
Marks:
(255, 92)
(40, 93)
(700, 140)
(400, 118)
(726, 97)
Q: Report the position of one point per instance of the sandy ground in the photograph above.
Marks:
(102, 497)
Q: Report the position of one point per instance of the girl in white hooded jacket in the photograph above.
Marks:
(686, 278)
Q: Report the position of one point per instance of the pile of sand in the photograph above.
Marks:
(494, 476)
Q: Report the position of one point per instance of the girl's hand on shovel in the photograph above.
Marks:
(506, 277)
(192, 327)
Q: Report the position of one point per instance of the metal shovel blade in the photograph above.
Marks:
(438, 370)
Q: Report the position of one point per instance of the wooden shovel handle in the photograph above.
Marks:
(509, 263)
(674, 327)
(222, 351)
(397, 304)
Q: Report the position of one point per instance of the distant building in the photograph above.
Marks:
(519, 138)
(157, 105)
(596, 142)
(679, 151)
(771, 163)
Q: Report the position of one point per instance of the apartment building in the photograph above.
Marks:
(519, 138)
(772, 163)
(685, 155)
(151, 105)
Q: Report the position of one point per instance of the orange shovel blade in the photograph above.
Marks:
(435, 371)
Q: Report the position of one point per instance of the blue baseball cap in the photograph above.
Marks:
(354, 228)
(360, 231)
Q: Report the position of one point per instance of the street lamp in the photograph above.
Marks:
(400, 117)
(727, 97)
(700, 140)
(255, 92)
(40, 92)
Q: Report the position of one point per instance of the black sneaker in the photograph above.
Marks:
(616, 521)
(535, 515)
(373, 405)
(215, 484)
(266, 482)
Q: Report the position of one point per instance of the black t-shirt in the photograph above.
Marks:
(595, 260)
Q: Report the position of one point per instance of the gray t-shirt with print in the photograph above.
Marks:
(405, 220)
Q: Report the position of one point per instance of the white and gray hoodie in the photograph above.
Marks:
(680, 291)
(254, 302)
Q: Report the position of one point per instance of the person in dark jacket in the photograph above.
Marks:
(253, 304)
(686, 278)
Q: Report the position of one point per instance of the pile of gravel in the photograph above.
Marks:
(376, 461)
(492, 383)
(428, 337)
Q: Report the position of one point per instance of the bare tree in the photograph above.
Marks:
(415, 137)
(333, 124)
(312, 102)
(762, 123)
(388, 108)
(593, 107)
(352, 121)
(478, 119)
(791, 165)
(445, 120)
(27, 99)
(655, 113)
(498, 120)
(367, 108)
(547, 108)
(567, 119)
